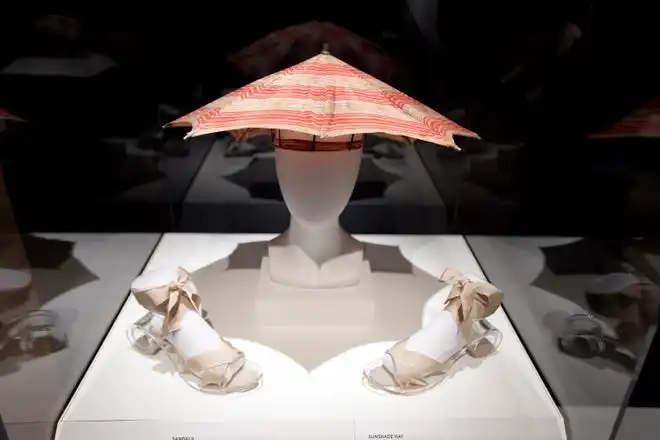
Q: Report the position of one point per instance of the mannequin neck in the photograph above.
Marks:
(321, 241)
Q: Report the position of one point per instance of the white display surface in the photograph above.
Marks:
(33, 396)
(591, 395)
(123, 394)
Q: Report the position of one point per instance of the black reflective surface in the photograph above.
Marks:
(565, 96)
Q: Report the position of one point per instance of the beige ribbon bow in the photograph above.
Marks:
(172, 301)
(470, 300)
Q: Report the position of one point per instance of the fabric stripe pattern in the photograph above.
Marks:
(323, 97)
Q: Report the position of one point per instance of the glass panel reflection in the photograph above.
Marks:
(559, 196)
(586, 309)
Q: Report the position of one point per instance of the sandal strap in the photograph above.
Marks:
(172, 301)
(217, 367)
(411, 369)
(469, 299)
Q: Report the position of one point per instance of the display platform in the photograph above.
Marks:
(545, 280)
(80, 279)
(231, 193)
(317, 395)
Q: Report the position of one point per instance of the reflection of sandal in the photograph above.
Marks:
(614, 294)
(204, 360)
(583, 338)
(630, 299)
(421, 361)
(31, 336)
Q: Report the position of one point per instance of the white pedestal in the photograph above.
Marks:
(126, 395)
(33, 396)
(281, 305)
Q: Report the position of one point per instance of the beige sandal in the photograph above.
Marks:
(221, 370)
(406, 372)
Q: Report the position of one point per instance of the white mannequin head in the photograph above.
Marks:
(317, 185)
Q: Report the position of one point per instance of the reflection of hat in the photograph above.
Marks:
(8, 116)
(643, 122)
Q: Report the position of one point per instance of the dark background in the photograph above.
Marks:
(560, 181)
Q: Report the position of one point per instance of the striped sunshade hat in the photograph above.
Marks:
(331, 103)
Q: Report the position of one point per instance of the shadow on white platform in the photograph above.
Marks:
(123, 396)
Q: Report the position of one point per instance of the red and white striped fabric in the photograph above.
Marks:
(326, 98)
(643, 122)
(297, 43)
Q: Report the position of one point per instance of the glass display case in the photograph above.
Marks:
(588, 348)
(306, 225)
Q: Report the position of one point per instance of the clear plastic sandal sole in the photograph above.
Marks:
(195, 383)
(485, 344)
(141, 337)
(376, 387)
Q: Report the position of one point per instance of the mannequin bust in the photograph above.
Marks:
(315, 252)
